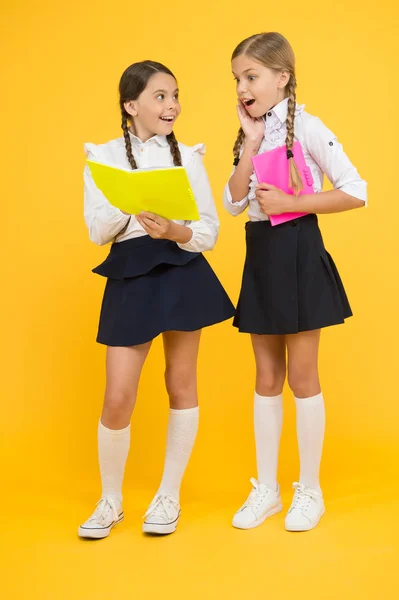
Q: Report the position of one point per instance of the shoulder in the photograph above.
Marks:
(310, 127)
(108, 151)
(190, 154)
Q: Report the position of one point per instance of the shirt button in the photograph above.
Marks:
(330, 144)
(269, 114)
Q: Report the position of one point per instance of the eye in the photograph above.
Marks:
(251, 77)
(176, 97)
(236, 79)
(160, 96)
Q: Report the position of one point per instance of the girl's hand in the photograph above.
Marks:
(254, 129)
(157, 227)
(273, 201)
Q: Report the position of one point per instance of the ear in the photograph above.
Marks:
(283, 79)
(131, 108)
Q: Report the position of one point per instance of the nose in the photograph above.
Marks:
(172, 104)
(241, 87)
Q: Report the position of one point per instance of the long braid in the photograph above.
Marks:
(174, 149)
(295, 178)
(128, 142)
(238, 144)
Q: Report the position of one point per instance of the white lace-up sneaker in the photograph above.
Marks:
(262, 502)
(104, 518)
(306, 509)
(162, 515)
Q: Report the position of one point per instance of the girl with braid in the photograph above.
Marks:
(158, 281)
(291, 288)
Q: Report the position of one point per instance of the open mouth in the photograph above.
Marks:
(167, 119)
(248, 101)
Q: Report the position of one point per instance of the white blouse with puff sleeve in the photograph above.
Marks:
(108, 224)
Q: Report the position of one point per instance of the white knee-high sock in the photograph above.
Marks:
(268, 421)
(182, 431)
(310, 420)
(113, 448)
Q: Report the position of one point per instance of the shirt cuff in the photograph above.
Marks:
(356, 190)
(228, 197)
(201, 240)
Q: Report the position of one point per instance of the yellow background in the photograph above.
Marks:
(60, 64)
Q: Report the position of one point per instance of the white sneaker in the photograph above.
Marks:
(261, 503)
(306, 510)
(104, 518)
(162, 515)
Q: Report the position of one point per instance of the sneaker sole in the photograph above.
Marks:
(98, 534)
(158, 529)
(305, 528)
(273, 511)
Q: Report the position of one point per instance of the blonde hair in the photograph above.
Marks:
(275, 52)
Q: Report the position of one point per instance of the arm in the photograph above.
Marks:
(350, 189)
(236, 191)
(103, 220)
(204, 232)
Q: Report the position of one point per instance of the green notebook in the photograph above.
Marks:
(164, 191)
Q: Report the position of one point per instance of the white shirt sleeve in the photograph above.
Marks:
(103, 220)
(234, 208)
(324, 147)
(205, 231)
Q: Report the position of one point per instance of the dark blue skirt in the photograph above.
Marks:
(290, 282)
(154, 286)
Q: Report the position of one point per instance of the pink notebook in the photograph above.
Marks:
(273, 167)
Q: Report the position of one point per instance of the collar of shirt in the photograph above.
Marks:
(161, 140)
(277, 116)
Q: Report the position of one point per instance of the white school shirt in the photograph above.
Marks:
(322, 151)
(108, 224)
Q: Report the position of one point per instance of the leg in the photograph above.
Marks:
(181, 352)
(264, 499)
(303, 353)
(270, 361)
(181, 355)
(123, 372)
(268, 407)
(307, 507)
(303, 378)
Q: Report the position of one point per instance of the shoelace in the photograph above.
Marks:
(159, 507)
(303, 496)
(103, 506)
(256, 494)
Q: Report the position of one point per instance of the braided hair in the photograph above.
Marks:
(274, 51)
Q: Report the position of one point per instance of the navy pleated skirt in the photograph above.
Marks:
(290, 282)
(154, 286)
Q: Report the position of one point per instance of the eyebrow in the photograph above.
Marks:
(247, 70)
(165, 92)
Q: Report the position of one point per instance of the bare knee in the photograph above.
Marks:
(181, 385)
(304, 383)
(118, 407)
(270, 382)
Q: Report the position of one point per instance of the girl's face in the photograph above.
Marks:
(156, 109)
(258, 87)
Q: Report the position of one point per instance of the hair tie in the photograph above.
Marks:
(236, 161)
(290, 154)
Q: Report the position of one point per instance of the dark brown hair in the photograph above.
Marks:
(133, 82)
(273, 51)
